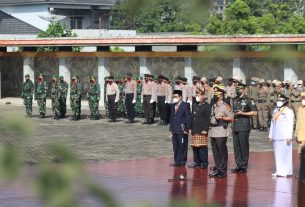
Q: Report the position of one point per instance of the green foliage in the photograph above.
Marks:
(257, 17)
(56, 30)
(160, 15)
(10, 162)
(117, 49)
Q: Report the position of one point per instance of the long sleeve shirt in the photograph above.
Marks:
(113, 89)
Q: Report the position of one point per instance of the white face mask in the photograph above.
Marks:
(175, 100)
(197, 98)
(279, 104)
(303, 102)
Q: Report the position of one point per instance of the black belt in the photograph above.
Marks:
(261, 101)
(216, 125)
(146, 95)
(295, 101)
(112, 95)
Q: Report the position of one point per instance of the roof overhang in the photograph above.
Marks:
(160, 40)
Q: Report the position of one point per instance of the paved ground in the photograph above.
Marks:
(101, 141)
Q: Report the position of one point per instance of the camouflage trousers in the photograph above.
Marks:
(93, 105)
(55, 106)
(28, 101)
(63, 106)
(42, 105)
(75, 104)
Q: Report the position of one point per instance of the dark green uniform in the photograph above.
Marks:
(241, 131)
(121, 104)
(27, 96)
(55, 97)
(41, 96)
(63, 91)
(138, 105)
(75, 100)
(93, 96)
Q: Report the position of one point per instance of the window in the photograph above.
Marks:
(76, 22)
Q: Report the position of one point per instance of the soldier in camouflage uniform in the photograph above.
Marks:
(75, 98)
(41, 95)
(55, 96)
(93, 96)
(63, 92)
(27, 95)
(139, 106)
(80, 88)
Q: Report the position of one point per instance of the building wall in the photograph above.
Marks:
(266, 68)
(29, 14)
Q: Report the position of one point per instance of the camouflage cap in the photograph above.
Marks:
(61, 77)
(27, 75)
(91, 77)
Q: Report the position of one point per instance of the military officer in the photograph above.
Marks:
(93, 96)
(121, 112)
(63, 91)
(130, 97)
(221, 115)
(262, 105)
(41, 95)
(27, 95)
(300, 124)
(243, 108)
(148, 98)
(169, 98)
(80, 88)
(55, 97)
(295, 97)
(75, 99)
(113, 97)
(162, 99)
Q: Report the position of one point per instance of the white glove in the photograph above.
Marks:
(133, 101)
(141, 100)
(165, 102)
(189, 102)
(151, 101)
(116, 101)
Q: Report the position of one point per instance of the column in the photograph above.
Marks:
(289, 71)
(102, 73)
(143, 67)
(65, 72)
(189, 72)
(237, 71)
(28, 68)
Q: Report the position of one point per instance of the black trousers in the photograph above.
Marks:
(220, 153)
(180, 142)
(241, 148)
(129, 105)
(148, 107)
(200, 155)
(162, 107)
(169, 110)
(112, 107)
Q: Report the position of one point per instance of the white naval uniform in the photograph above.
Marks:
(281, 130)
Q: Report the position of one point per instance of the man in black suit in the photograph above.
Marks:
(180, 125)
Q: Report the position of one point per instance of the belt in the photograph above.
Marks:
(261, 101)
(111, 95)
(146, 95)
(215, 125)
(294, 101)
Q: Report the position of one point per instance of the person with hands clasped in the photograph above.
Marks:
(281, 132)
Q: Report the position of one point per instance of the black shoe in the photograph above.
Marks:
(145, 121)
(132, 121)
(73, 118)
(42, 115)
(214, 174)
(203, 166)
(243, 170)
(113, 120)
(150, 122)
(264, 129)
(193, 165)
(173, 164)
(55, 117)
(63, 116)
(221, 175)
(235, 170)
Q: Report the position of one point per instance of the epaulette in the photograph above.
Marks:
(228, 107)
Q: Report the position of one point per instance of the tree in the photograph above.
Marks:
(56, 30)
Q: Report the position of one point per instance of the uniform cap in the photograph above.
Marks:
(129, 74)
(274, 81)
(146, 75)
(178, 92)
(219, 78)
(300, 82)
(54, 76)
(91, 77)
(239, 85)
(269, 81)
(27, 76)
(161, 77)
(111, 77)
(261, 81)
(196, 78)
(61, 77)
(218, 91)
(184, 79)
(203, 79)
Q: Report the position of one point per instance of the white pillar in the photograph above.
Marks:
(102, 73)
(289, 72)
(28, 68)
(189, 72)
(237, 71)
(65, 72)
(143, 67)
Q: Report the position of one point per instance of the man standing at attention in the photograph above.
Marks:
(243, 108)
(180, 125)
(27, 95)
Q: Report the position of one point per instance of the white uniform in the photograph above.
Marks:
(281, 130)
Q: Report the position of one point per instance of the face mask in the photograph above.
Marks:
(303, 102)
(175, 100)
(197, 98)
(279, 104)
